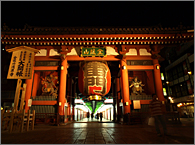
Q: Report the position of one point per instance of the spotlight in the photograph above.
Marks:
(189, 72)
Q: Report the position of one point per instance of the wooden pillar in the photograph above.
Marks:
(62, 87)
(17, 94)
(125, 86)
(28, 90)
(157, 79)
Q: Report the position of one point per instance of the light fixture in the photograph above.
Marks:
(157, 67)
(62, 67)
(189, 72)
(123, 67)
(60, 103)
(167, 82)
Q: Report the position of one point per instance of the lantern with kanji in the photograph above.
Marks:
(94, 80)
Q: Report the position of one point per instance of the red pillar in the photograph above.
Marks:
(125, 86)
(62, 89)
(157, 79)
(28, 90)
(35, 84)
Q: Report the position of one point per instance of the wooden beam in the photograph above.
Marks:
(140, 67)
(44, 102)
(145, 101)
(138, 57)
(45, 68)
(77, 58)
(47, 58)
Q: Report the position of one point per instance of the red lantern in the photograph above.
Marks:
(94, 79)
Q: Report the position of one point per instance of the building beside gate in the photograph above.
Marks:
(178, 78)
(127, 52)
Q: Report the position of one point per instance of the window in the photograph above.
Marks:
(171, 93)
(175, 74)
(180, 70)
(170, 75)
(162, 76)
(164, 92)
(177, 91)
(184, 89)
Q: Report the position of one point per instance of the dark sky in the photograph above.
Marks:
(99, 13)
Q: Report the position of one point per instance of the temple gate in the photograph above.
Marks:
(53, 86)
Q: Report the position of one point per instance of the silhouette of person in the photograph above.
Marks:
(91, 116)
(156, 112)
(100, 116)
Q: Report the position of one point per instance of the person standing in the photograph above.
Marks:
(156, 112)
(97, 116)
(92, 116)
(101, 116)
(88, 115)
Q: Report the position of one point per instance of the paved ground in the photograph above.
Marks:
(102, 133)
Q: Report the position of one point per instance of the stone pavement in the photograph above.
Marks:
(101, 133)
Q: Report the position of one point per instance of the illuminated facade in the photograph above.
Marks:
(178, 83)
(129, 53)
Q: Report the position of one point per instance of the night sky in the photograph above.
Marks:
(97, 14)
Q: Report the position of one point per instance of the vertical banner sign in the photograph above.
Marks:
(21, 64)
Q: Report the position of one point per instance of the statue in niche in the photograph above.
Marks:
(48, 86)
(137, 86)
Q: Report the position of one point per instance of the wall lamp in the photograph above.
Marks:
(123, 67)
(167, 82)
(189, 72)
(157, 67)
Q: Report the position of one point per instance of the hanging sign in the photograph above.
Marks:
(136, 104)
(93, 52)
(21, 64)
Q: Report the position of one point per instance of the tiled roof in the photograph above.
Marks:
(31, 30)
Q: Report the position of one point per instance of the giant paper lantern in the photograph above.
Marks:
(94, 80)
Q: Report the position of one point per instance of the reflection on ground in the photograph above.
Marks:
(88, 122)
